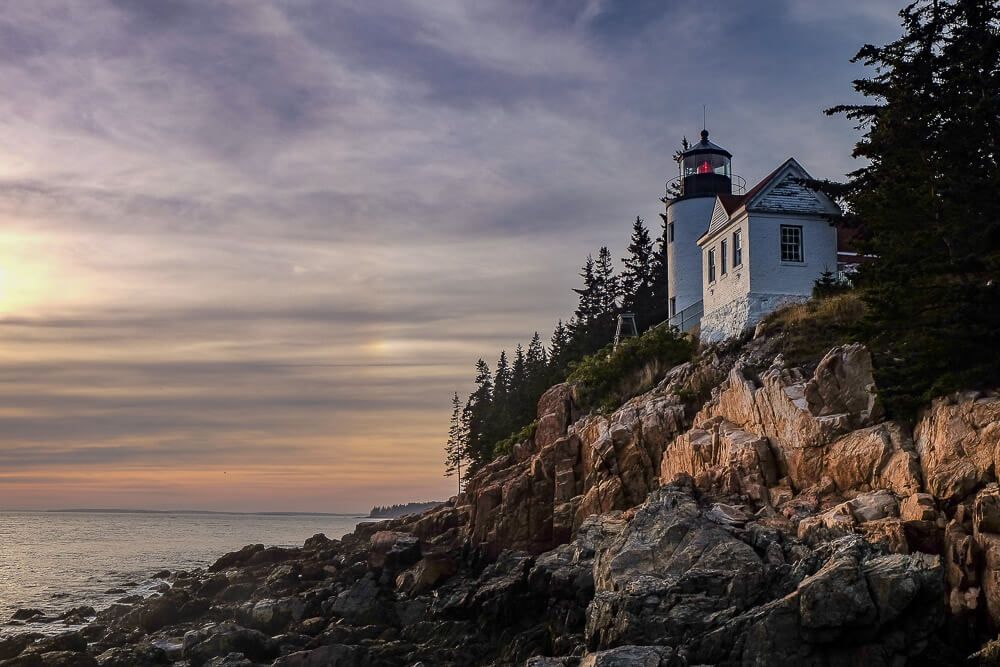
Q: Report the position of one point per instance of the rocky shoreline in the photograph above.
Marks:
(742, 512)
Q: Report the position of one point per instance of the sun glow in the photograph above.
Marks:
(37, 273)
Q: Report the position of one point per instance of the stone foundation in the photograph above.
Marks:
(740, 314)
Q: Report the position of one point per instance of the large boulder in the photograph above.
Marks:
(221, 639)
(718, 454)
(393, 550)
(633, 656)
(956, 439)
(877, 457)
(858, 608)
(800, 415)
(671, 573)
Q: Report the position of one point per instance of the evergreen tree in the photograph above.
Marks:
(584, 321)
(559, 350)
(480, 419)
(660, 308)
(520, 391)
(594, 321)
(457, 445)
(638, 276)
(537, 369)
(607, 283)
(927, 200)
(500, 418)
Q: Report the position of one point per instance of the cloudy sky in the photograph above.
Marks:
(248, 249)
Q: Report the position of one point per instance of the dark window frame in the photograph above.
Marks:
(737, 248)
(711, 265)
(790, 244)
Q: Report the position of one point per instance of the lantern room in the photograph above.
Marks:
(705, 169)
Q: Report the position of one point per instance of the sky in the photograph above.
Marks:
(249, 249)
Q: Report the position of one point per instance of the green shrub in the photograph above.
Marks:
(606, 379)
(506, 446)
(830, 284)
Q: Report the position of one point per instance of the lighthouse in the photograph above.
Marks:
(705, 174)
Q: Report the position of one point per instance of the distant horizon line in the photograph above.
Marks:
(120, 510)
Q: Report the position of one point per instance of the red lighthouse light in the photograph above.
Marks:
(705, 168)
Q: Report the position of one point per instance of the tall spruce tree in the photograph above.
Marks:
(660, 309)
(479, 448)
(927, 201)
(501, 417)
(457, 445)
(520, 391)
(584, 324)
(560, 350)
(638, 276)
(536, 364)
(608, 292)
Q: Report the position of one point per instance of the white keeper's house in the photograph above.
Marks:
(735, 255)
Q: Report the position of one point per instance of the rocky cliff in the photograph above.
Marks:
(741, 512)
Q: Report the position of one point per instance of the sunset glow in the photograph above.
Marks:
(248, 250)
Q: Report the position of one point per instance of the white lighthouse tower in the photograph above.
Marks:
(705, 173)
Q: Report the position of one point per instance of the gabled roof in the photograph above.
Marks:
(730, 203)
(781, 191)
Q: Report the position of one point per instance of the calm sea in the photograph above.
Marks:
(56, 561)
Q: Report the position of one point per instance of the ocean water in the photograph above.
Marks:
(54, 561)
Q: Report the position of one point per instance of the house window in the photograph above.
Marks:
(673, 306)
(670, 232)
(737, 248)
(722, 256)
(791, 243)
(711, 265)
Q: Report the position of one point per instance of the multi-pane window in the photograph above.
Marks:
(791, 243)
(737, 248)
(711, 265)
(722, 256)
(670, 232)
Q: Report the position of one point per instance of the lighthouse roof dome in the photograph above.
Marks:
(706, 146)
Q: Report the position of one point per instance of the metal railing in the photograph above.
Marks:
(675, 187)
(689, 318)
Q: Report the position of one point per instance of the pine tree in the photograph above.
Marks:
(480, 419)
(660, 308)
(607, 283)
(584, 321)
(638, 276)
(537, 370)
(559, 350)
(927, 201)
(594, 320)
(501, 421)
(457, 445)
(520, 391)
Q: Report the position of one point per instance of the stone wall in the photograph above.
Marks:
(741, 314)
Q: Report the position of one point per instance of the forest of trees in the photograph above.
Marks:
(926, 202)
(504, 399)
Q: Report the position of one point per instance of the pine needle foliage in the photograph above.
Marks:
(927, 202)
